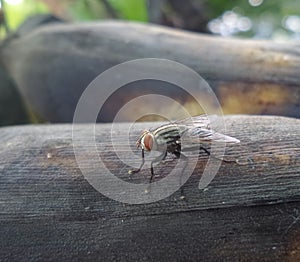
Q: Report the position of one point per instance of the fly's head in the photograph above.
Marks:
(145, 141)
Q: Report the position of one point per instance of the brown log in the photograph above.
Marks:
(52, 65)
(250, 211)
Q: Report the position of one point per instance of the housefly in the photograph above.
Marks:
(195, 132)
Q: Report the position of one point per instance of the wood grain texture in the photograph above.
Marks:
(54, 64)
(250, 211)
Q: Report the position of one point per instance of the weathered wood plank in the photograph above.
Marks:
(263, 72)
(250, 211)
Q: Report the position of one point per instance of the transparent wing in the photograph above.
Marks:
(202, 135)
(197, 130)
(201, 121)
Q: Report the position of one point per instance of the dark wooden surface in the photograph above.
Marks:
(249, 212)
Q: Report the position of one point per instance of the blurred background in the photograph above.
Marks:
(267, 19)
(20, 98)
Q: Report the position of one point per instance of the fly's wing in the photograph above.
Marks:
(197, 129)
(202, 121)
(203, 135)
(193, 137)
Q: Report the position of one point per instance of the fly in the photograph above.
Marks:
(168, 139)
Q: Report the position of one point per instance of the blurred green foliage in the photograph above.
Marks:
(95, 9)
(17, 13)
(268, 17)
(257, 18)
(131, 9)
(87, 10)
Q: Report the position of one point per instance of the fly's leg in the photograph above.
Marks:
(209, 154)
(142, 164)
(205, 150)
(185, 159)
(156, 160)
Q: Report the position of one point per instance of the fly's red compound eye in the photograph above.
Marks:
(148, 142)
